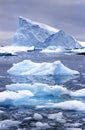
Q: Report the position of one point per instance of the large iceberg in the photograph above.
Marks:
(39, 35)
(28, 67)
(31, 33)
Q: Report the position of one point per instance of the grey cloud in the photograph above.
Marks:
(64, 14)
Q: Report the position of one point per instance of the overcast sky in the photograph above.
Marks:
(68, 15)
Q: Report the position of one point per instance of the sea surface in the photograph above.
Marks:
(25, 115)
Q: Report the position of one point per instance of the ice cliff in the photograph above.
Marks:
(41, 36)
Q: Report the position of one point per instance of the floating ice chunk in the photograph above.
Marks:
(62, 39)
(28, 67)
(32, 33)
(71, 105)
(74, 105)
(42, 124)
(79, 51)
(14, 49)
(6, 124)
(76, 124)
(39, 89)
(8, 98)
(78, 93)
(37, 116)
(74, 128)
(53, 49)
(58, 117)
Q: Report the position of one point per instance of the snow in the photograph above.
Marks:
(28, 67)
(14, 49)
(62, 39)
(6, 124)
(32, 33)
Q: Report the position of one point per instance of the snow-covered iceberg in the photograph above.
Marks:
(28, 67)
(32, 33)
(39, 35)
(62, 39)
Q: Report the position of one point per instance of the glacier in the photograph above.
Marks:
(40, 36)
(28, 67)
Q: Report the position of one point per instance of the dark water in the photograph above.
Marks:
(25, 114)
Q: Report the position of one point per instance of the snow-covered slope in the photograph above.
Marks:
(63, 39)
(28, 67)
(32, 33)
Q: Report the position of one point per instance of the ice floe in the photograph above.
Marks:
(28, 67)
(72, 105)
(13, 50)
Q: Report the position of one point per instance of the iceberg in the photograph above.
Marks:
(41, 36)
(62, 39)
(32, 33)
(28, 67)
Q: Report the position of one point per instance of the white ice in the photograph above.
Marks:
(39, 89)
(14, 49)
(41, 36)
(75, 105)
(53, 49)
(6, 124)
(32, 33)
(28, 67)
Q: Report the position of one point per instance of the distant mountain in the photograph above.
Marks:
(41, 36)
